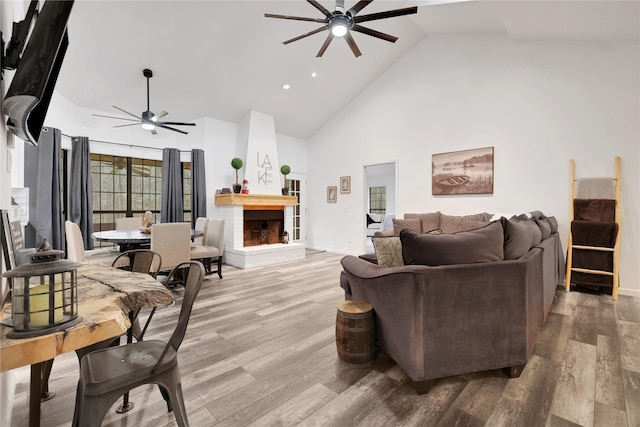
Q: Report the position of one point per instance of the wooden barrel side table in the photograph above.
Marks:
(355, 332)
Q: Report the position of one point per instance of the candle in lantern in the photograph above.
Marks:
(39, 305)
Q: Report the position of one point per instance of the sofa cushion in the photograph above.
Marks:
(388, 251)
(429, 221)
(545, 228)
(536, 236)
(517, 238)
(411, 224)
(466, 225)
(553, 223)
(480, 245)
(453, 223)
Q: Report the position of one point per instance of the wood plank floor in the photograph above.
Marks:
(260, 351)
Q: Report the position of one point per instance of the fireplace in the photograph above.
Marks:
(263, 226)
(253, 229)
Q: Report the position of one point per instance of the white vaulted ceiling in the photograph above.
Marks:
(221, 59)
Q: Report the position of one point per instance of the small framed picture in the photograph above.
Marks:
(332, 194)
(345, 184)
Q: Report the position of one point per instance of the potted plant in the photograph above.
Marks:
(285, 170)
(236, 163)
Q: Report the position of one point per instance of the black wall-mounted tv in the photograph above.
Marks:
(29, 94)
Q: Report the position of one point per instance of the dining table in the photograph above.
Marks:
(106, 297)
(132, 239)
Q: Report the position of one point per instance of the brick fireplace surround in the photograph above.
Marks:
(241, 249)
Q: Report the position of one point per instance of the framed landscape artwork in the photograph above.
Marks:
(462, 172)
(332, 194)
(345, 184)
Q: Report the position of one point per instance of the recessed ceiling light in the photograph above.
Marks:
(286, 86)
(314, 74)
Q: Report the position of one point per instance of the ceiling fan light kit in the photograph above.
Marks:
(340, 23)
(148, 120)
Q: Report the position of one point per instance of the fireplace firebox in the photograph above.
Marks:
(263, 226)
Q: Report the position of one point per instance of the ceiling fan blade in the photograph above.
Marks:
(374, 33)
(325, 45)
(153, 132)
(126, 112)
(319, 7)
(295, 18)
(352, 44)
(304, 35)
(173, 129)
(339, 4)
(129, 124)
(175, 123)
(119, 118)
(386, 14)
(161, 114)
(358, 7)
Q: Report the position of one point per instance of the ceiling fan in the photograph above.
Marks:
(339, 23)
(148, 120)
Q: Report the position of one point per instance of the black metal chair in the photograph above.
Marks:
(138, 261)
(107, 374)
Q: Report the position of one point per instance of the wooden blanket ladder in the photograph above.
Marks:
(593, 255)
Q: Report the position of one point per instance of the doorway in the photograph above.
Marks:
(297, 187)
(380, 197)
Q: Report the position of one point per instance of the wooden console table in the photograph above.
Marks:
(105, 298)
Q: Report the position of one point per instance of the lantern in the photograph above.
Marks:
(245, 186)
(44, 294)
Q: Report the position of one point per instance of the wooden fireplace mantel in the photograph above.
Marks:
(255, 200)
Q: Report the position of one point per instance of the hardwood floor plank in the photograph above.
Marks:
(553, 337)
(585, 325)
(526, 400)
(606, 416)
(609, 388)
(354, 403)
(631, 382)
(629, 345)
(574, 397)
(297, 408)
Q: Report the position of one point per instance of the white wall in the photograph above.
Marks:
(538, 103)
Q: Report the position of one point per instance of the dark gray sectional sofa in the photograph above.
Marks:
(470, 299)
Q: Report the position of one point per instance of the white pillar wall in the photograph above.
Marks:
(257, 140)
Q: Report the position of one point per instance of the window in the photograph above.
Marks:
(378, 200)
(126, 186)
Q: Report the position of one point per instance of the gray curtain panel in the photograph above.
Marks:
(80, 188)
(198, 187)
(49, 222)
(172, 204)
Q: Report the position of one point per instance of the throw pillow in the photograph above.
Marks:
(388, 251)
(481, 245)
(517, 238)
(411, 224)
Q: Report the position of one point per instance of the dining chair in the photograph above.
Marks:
(213, 247)
(76, 251)
(139, 261)
(128, 223)
(172, 241)
(201, 225)
(107, 374)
